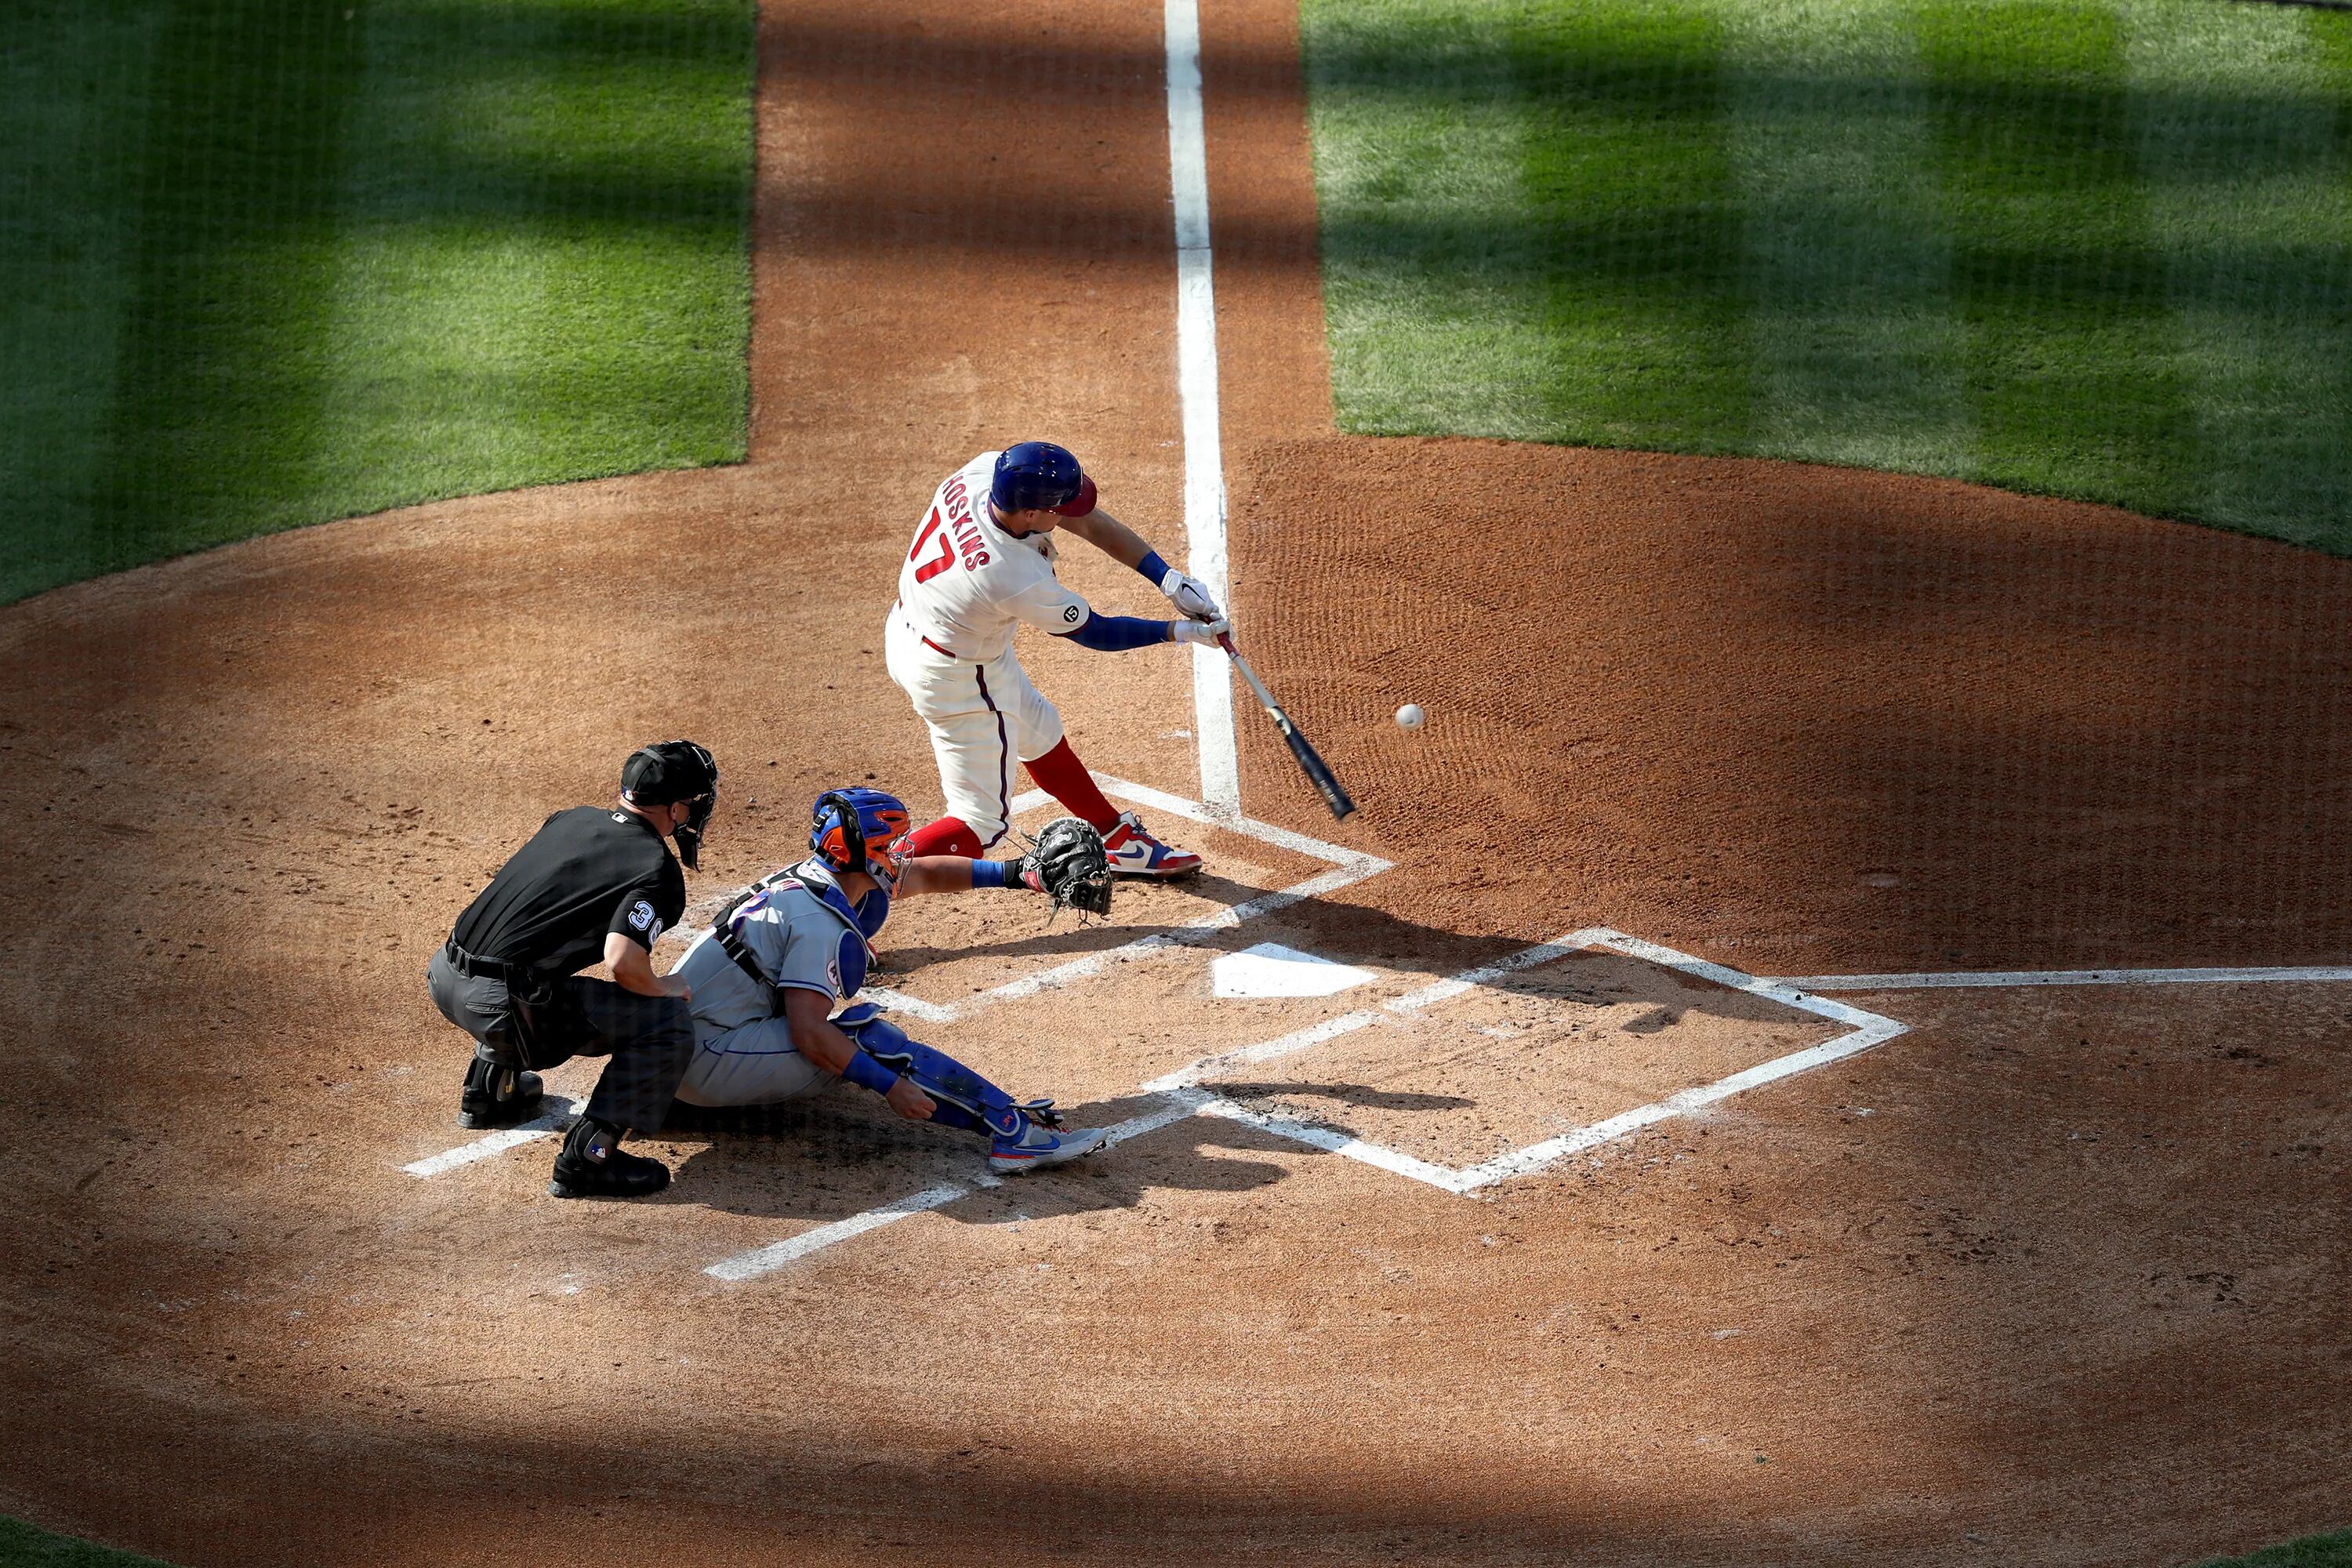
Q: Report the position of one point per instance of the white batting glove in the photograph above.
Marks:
(1189, 596)
(1205, 633)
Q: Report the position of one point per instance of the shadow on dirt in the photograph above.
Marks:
(1068, 937)
(1348, 933)
(1361, 1094)
(840, 1153)
(835, 1156)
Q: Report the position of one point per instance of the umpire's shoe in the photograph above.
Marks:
(591, 1165)
(498, 1095)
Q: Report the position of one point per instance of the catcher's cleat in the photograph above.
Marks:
(1039, 1145)
(497, 1096)
(582, 1173)
(1041, 1111)
(1135, 853)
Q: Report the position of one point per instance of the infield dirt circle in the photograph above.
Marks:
(2057, 1276)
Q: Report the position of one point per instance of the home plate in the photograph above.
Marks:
(1270, 969)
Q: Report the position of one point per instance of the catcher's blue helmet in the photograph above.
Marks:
(851, 827)
(1036, 476)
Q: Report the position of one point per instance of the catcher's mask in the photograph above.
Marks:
(852, 830)
(670, 771)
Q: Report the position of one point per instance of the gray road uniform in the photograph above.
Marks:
(800, 932)
(797, 928)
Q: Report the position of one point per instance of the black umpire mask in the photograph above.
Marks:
(661, 774)
(688, 835)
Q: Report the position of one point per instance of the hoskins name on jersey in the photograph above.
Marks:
(961, 526)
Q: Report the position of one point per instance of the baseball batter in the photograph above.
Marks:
(766, 976)
(981, 567)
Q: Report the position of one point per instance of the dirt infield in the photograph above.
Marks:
(2056, 1276)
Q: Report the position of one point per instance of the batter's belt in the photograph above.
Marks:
(900, 608)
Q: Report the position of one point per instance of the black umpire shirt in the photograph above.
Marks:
(585, 872)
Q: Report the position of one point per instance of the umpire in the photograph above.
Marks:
(591, 883)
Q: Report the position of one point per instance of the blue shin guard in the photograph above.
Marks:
(963, 1098)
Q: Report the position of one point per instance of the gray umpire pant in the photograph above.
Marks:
(649, 1038)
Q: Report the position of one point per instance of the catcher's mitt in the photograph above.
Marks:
(1066, 863)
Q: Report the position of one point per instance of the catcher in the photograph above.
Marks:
(766, 975)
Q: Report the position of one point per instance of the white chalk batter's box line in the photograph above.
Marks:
(1181, 1096)
(1348, 867)
(1868, 1030)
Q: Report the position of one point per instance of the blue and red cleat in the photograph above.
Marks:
(1135, 853)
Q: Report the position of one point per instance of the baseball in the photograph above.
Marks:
(1410, 716)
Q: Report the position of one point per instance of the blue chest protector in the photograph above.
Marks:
(859, 923)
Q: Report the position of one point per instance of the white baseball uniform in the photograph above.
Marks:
(965, 587)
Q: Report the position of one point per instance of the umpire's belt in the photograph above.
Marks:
(513, 976)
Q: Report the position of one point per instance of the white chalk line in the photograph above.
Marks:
(776, 1255)
(1993, 979)
(560, 1111)
(1348, 867)
(1181, 1095)
(1868, 1029)
(1196, 387)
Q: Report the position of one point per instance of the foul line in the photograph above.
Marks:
(1196, 387)
(1995, 978)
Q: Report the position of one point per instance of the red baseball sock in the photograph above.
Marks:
(948, 836)
(1060, 775)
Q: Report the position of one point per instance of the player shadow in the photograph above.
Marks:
(840, 1154)
(1345, 934)
(1356, 1094)
(832, 1156)
(1066, 935)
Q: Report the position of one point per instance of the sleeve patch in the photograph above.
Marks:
(642, 918)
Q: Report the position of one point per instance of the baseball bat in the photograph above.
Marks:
(1319, 772)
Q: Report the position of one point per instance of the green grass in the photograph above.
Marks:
(2311, 1552)
(24, 1546)
(2097, 248)
(271, 262)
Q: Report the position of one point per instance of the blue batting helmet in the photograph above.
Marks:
(1036, 476)
(851, 827)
